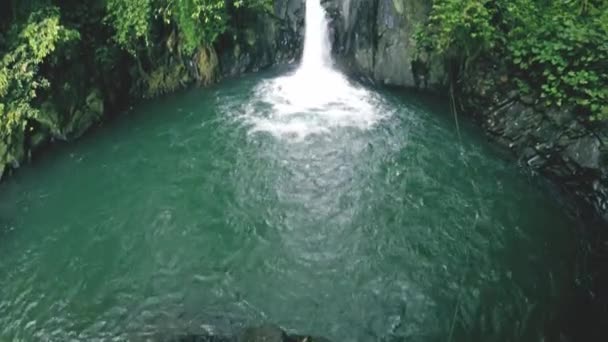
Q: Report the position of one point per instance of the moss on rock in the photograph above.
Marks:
(207, 65)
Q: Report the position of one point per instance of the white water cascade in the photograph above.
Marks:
(316, 98)
(317, 49)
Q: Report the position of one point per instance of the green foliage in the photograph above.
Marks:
(20, 80)
(60, 59)
(557, 50)
(458, 28)
(166, 79)
(185, 26)
(566, 55)
(131, 20)
(199, 22)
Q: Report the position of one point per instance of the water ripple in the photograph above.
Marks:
(372, 222)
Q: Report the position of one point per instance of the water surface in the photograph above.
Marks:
(214, 209)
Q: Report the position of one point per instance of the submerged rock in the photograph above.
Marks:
(263, 333)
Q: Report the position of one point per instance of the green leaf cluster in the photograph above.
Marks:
(179, 30)
(198, 22)
(131, 20)
(63, 62)
(21, 83)
(557, 50)
(458, 28)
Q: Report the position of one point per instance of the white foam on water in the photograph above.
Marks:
(316, 98)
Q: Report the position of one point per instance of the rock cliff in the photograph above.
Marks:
(373, 39)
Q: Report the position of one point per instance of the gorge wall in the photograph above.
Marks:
(373, 39)
(263, 40)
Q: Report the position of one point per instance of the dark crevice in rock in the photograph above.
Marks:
(261, 40)
(375, 35)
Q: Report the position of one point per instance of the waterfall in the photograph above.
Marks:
(315, 99)
(316, 41)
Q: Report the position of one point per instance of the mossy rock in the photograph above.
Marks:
(207, 64)
(398, 6)
(95, 102)
(15, 151)
(85, 116)
(167, 79)
(3, 162)
(3, 149)
(250, 37)
(37, 139)
(48, 118)
(237, 51)
(264, 333)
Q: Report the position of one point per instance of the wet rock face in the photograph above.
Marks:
(554, 142)
(370, 38)
(374, 39)
(261, 40)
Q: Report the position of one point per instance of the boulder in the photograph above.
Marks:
(264, 333)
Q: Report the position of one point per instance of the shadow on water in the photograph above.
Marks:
(581, 314)
(584, 314)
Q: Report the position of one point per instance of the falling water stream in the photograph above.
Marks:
(296, 197)
(315, 98)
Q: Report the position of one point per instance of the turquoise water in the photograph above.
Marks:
(207, 211)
